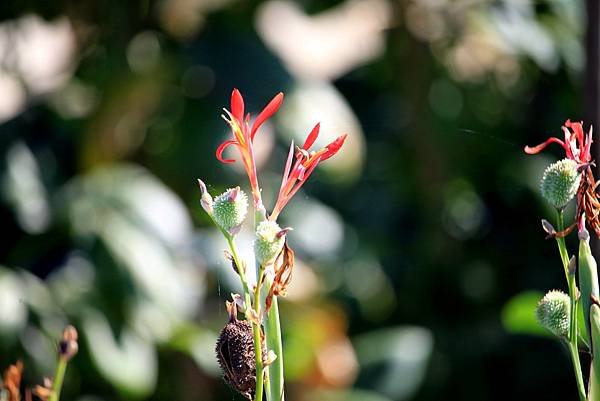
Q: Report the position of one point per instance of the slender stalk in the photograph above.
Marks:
(255, 327)
(273, 333)
(59, 376)
(573, 294)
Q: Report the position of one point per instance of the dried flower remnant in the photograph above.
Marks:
(588, 204)
(45, 391)
(235, 353)
(12, 381)
(283, 266)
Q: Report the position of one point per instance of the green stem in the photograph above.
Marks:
(256, 334)
(573, 294)
(59, 376)
(273, 333)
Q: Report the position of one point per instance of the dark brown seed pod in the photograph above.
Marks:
(235, 352)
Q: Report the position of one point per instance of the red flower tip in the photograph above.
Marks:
(221, 148)
(237, 105)
(334, 147)
(312, 137)
(532, 150)
(267, 112)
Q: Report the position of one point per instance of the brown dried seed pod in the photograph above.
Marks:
(235, 352)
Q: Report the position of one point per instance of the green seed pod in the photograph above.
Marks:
(553, 312)
(230, 209)
(560, 182)
(269, 242)
(588, 277)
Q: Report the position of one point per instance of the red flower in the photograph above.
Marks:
(294, 177)
(577, 145)
(244, 135)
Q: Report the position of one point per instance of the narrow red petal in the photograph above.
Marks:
(578, 131)
(288, 166)
(537, 149)
(334, 147)
(221, 148)
(312, 137)
(267, 112)
(586, 155)
(237, 105)
(568, 143)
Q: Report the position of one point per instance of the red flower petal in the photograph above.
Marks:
(312, 137)
(237, 105)
(221, 148)
(577, 130)
(537, 149)
(334, 147)
(586, 155)
(267, 112)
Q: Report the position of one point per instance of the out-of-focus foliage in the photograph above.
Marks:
(409, 243)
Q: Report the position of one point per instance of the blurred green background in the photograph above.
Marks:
(410, 242)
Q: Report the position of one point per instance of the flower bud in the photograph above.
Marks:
(205, 200)
(67, 347)
(230, 208)
(269, 241)
(553, 312)
(560, 182)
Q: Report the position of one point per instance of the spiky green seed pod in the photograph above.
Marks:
(269, 241)
(553, 312)
(230, 209)
(560, 182)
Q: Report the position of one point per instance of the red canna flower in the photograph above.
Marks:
(294, 177)
(577, 145)
(244, 136)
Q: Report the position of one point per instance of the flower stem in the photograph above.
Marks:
(256, 334)
(59, 376)
(573, 294)
(273, 333)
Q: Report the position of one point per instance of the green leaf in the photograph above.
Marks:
(518, 314)
(393, 361)
(129, 363)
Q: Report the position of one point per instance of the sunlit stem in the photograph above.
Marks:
(59, 376)
(272, 330)
(273, 334)
(255, 328)
(573, 294)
